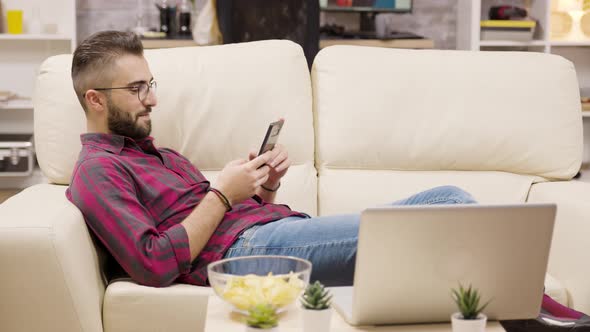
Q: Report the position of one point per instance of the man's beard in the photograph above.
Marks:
(126, 124)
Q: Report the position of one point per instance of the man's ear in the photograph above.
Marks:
(95, 100)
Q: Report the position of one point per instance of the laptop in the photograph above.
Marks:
(409, 258)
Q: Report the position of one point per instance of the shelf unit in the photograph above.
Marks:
(20, 182)
(551, 43)
(471, 12)
(363, 9)
(20, 58)
(166, 43)
(393, 43)
(17, 104)
(510, 43)
(41, 36)
(583, 43)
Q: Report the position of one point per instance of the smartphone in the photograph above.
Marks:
(271, 137)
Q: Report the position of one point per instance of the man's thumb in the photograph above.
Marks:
(237, 162)
(252, 154)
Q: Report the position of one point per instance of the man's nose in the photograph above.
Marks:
(151, 99)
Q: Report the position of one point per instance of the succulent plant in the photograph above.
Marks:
(262, 316)
(316, 297)
(467, 301)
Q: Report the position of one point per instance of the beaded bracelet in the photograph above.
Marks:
(222, 197)
(271, 190)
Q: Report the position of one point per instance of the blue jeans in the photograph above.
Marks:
(329, 242)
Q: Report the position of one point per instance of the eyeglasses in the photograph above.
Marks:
(142, 89)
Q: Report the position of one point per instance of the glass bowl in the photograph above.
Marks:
(247, 281)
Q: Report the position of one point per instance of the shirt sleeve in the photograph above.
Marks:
(106, 195)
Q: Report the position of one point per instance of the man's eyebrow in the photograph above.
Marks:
(139, 82)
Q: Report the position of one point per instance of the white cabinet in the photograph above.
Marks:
(575, 46)
(49, 28)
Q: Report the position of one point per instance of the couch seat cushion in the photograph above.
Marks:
(351, 191)
(131, 307)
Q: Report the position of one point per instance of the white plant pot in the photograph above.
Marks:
(316, 320)
(468, 325)
(255, 329)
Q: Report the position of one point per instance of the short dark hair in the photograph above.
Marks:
(95, 56)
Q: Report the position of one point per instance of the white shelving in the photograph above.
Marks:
(581, 43)
(11, 182)
(22, 54)
(471, 12)
(17, 104)
(49, 28)
(45, 36)
(510, 43)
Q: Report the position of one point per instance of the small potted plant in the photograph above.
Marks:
(470, 317)
(316, 308)
(262, 317)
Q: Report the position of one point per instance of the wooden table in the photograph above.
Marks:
(390, 43)
(167, 43)
(220, 318)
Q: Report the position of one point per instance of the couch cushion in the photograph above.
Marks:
(50, 276)
(350, 191)
(214, 105)
(428, 110)
(131, 307)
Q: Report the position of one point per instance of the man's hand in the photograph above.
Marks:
(279, 164)
(240, 179)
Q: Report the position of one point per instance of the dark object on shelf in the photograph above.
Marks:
(16, 154)
(184, 22)
(184, 18)
(507, 13)
(337, 31)
(295, 20)
(332, 30)
(167, 17)
(363, 3)
(402, 35)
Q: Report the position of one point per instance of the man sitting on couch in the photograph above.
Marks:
(158, 216)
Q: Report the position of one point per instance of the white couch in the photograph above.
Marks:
(369, 126)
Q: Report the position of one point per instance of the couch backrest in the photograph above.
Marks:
(391, 122)
(214, 105)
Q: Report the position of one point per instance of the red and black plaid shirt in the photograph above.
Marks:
(134, 197)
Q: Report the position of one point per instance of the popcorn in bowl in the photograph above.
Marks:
(245, 282)
(247, 291)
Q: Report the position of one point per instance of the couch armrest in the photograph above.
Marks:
(570, 248)
(50, 278)
(130, 307)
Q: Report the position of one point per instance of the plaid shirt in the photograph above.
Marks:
(134, 196)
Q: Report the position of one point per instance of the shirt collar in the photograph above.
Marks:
(145, 144)
(114, 143)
